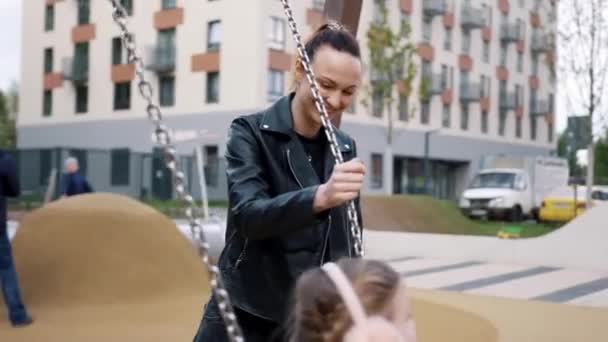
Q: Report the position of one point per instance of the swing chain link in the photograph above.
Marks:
(353, 218)
(163, 138)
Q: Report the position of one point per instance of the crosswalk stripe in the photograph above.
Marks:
(537, 285)
(497, 279)
(570, 293)
(461, 275)
(597, 299)
(440, 268)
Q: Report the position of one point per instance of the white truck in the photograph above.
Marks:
(512, 187)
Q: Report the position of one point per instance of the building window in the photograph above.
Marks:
(48, 60)
(49, 17)
(377, 101)
(214, 35)
(519, 95)
(119, 55)
(466, 42)
(166, 91)
(128, 6)
(425, 112)
(444, 77)
(82, 99)
(487, 11)
(84, 12)
(445, 117)
(502, 122)
(520, 62)
(46, 165)
(484, 92)
(276, 33)
(212, 165)
(518, 127)
(550, 132)
(47, 103)
(486, 52)
(427, 28)
(534, 64)
(120, 168)
(122, 95)
(533, 127)
(80, 69)
(464, 117)
(484, 122)
(403, 107)
(276, 84)
(168, 4)
(503, 54)
(319, 5)
(213, 87)
(447, 39)
(376, 182)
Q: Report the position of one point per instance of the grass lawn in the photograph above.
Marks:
(425, 214)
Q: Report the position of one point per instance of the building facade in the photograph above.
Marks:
(487, 66)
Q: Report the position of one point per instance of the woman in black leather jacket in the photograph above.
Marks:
(287, 199)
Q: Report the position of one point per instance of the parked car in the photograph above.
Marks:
(566, 203)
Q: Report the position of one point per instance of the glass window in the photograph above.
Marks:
(466, 42)
(445, 119)
(502, 122)
(168, 4)
(214, 35)
(427, 27)
(84, 12)
(128, 5)
(377, 101)
(486, 51)
(276, 84)
(520, 62)
(518, 127)
(447, 39)
(47, 103)
(166, 91)
(276, 33)
(48, 60)
(49, 17)
(464, 117)
(213, 87)
(533, 127)
(484, 122)
(82, 99)
(403, 108)
(376, 182)
(122, 96)
(212, 165)
(425, 112)
(120, 167)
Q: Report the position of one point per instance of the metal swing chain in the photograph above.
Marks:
(161, 131)
(353, 219)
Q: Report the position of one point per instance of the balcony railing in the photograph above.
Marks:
(434, 83)
(75, 69)
(472, 18)
(434, 7)
(161, 59)
(540, 43)
(510, 33)
(470, 92)
(539, 107)
(508, 101)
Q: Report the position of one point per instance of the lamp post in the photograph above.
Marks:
(427, 135)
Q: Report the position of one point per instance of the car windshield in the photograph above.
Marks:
(494, 180)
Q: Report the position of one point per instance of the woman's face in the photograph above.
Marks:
(338, 75)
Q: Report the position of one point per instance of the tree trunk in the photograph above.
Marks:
(388, 170)
(590, 166)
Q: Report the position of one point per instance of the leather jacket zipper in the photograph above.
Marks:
(291, 169)
(242, 255)
(326, 241)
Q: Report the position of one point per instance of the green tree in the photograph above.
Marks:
(7, 123)
(601, 161)
(392, 70)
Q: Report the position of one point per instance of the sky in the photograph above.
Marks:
(10, 40)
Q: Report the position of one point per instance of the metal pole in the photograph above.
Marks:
(426, 162)
(202, 180)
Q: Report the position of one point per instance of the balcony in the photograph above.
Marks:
(472, 18)
(539, 107)
(75, 69)
(434, 7)
(510, 33)
(540, 43)
(161, 59)
(434, 84)
(470, 92)
(508, 101)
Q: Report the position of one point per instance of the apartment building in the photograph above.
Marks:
(486, 65)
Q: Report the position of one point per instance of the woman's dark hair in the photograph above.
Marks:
(334, 35)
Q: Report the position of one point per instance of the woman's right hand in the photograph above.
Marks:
(344, 185)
